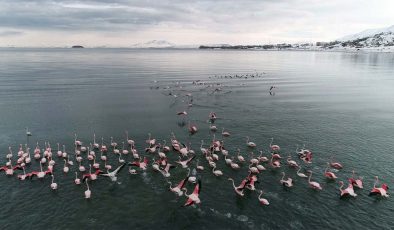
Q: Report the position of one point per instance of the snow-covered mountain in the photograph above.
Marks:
(154, 44)
(367, 33)
(371, 38)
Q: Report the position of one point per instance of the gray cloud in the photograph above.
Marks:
(10, 33)
(239, 21)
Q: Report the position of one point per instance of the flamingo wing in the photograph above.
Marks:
(197, 188)
(190, 159)
(119, 168)
(182, 183)
(135, 163)
(188, 202)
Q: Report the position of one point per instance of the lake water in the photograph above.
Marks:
(337, 104)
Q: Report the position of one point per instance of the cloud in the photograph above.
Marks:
(227, 21)
(10, 33)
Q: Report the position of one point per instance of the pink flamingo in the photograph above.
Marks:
(274, 147)
(194, 197)
(263, 201)
(291, 162)
(224, 133)
(288, 183)
(192, 129)
(335, 165)
(382, 191)
(240, 188)
(328, 174)
(313, 184)
(178, 189)
(348, 191)
(356, 182)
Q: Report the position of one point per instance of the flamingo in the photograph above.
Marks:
(253, 169)
(192, 178)
(382, 191)
(291, 163)
(192, 129)
(212, 116)
(194, 197)
(166, 170)
(155, 165)
(65, 168)
(181, 113)
(199, 167)
(252, 179)
(53, 184)
(301, 174)
(328, 174)
(151, 149)
(124, 151)
(103, 147)
(358, 183)
(185, 163)
(77, 142)
(335, 165)
(165, 147)
(24, 175)
(113, 144)
(120, 159)
(141, 164)
(261, 158)
(234, 165)
(239, 190)
(276, 163)
(95, 144)
(129, 141)
(81, 167)
(253, 160)
(274, 147)
(64, 153)
(59, 153)
(178, 189)
(288, 183)
(263, 201)
(313, 184)
(348, 191)
(217, 172)
(88, 193)
(249, 143)
(227, 160)
(150, 141)
(213, 128)
(224, 133)
(77, 181)
(112, 175)
(240, 158)
(260, 167)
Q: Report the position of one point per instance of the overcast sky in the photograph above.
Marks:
(125, 22)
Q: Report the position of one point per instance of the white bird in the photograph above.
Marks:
(88, 193)
(112, 175)
(217, 172)
(53, 184)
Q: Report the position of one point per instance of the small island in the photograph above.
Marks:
(78, 46)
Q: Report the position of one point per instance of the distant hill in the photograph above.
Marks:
(369, 38)
(367, 33)
(154, 44)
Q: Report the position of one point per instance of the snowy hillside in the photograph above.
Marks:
(367, 33)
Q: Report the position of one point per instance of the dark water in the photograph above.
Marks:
(339, 104)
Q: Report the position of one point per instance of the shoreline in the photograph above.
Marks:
(388, 49)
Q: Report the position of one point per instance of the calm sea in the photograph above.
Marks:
(337, 104)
